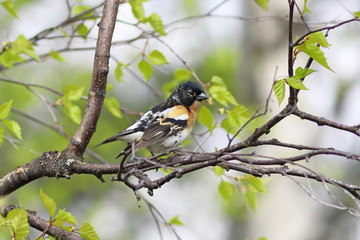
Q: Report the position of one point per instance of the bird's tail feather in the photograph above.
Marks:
(117, 136)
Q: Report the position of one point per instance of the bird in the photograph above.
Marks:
(166, 125)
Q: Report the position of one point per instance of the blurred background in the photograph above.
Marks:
(241, 43)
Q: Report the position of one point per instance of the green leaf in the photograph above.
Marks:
(2, 134)
(296, 83)
(57, 56)
(73, 93)
(82, 30)
(314, 52)
(23, 45)
(19, 223)
(119, 72)
(250, 199)
(236, 117)
(357, 14)
(306, 9)
(78, 9)
(157, 24)
(166, 171)
(113, 106)
(5, 109)
(219, 92)
(87, 232)
(156, 57)
(146, 69)
(182, 74)
(317, 38)
(9, 57)
(64, 217)
(176, 221)
(226, 190)
(206, 118)
(14, 127)
(279, 90)
(137, 9)
(303, 72)
(73, 111)
(263, 4)
(9, 6)
(311, 48)
(49, 203)
(256, 183)
(109, 87)
(218, 170)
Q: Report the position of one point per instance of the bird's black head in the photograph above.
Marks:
(189, 92)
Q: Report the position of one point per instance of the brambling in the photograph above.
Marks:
(166, 125)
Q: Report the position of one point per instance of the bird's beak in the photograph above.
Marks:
(201, 97)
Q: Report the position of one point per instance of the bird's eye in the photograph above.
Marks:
(191, 92)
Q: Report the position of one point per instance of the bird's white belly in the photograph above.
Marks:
(169, 142)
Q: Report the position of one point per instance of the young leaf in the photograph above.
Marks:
(250, 198)
(2, 134)
(311, 48)
(156, 57)
(14, 127)
(119, 72)
(137, 9)
(49, 203)
(19, 223)
(303, 72)
(206, 118)
(263, 4)
(57, 56)
(87, 232)
(182, 74)
(5, 109)
(23, 45)
(218, 170)
(306, 9)
(314, 52)
(279, 90)
(176, 221)
(357, 14)
(296, 83)
(9, 6)
(64, 217)
(255, 182)
(219, 92)
(226, 190)
(82, 30)
(146, 69)
(113, 106)
(78, 9)
(73, 93)
(318, 38)
(236, 117)
(157, 24)
(73, 111)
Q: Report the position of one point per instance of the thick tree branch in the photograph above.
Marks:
(97, 92)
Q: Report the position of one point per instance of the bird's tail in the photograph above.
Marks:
(110, 139)
(118, 136)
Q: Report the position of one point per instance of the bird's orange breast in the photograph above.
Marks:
(194, 108)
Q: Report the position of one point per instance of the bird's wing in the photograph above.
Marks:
(159, 130)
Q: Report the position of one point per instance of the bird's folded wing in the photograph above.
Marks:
(159, 130)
